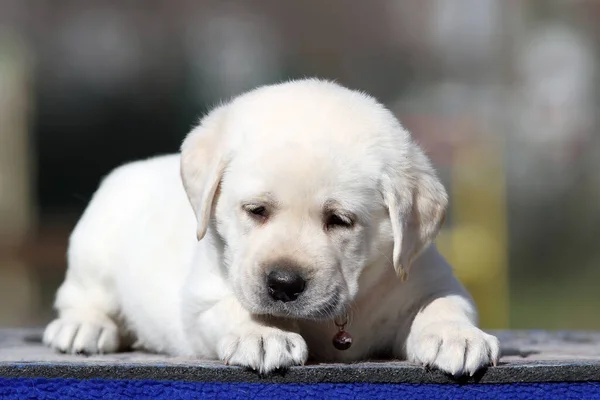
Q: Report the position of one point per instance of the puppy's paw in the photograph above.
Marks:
(82, 336)
(264, 349)
(453, 347)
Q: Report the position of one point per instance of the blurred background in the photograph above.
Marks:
(503, 95)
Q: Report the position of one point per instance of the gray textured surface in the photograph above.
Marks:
(533, 356)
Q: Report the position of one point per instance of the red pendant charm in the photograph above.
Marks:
(342, 340)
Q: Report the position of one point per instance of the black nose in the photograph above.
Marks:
(285, 285)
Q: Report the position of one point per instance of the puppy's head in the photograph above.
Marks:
(308, 184)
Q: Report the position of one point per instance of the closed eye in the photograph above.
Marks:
(257, 212)
(333, 221)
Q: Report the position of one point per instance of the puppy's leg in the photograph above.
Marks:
(86, 306)
(83, 325)
(238, 337)
(444, 335)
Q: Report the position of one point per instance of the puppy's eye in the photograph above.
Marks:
(338, 221)
(257, 212)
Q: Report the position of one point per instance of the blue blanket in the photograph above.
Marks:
(42, 388)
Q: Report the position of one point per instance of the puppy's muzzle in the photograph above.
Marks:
(285, 284)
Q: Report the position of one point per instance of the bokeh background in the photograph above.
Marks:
(503, 94)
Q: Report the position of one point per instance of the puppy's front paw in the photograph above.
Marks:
(82, 336)
(453, 347)
(264, 349)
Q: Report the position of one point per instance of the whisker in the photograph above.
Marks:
(390, 262)
(327, 309)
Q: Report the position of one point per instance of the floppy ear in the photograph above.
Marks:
(416, 200)
(202, 165)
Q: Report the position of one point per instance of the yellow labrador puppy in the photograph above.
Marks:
(312, 213)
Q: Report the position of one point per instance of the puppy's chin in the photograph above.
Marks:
(304, 308)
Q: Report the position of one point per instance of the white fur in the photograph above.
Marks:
(136, 270)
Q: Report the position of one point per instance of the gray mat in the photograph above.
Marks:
(527, 356)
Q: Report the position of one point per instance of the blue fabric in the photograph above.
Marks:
(42, 388)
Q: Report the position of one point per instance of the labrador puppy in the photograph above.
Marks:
(312, 212)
